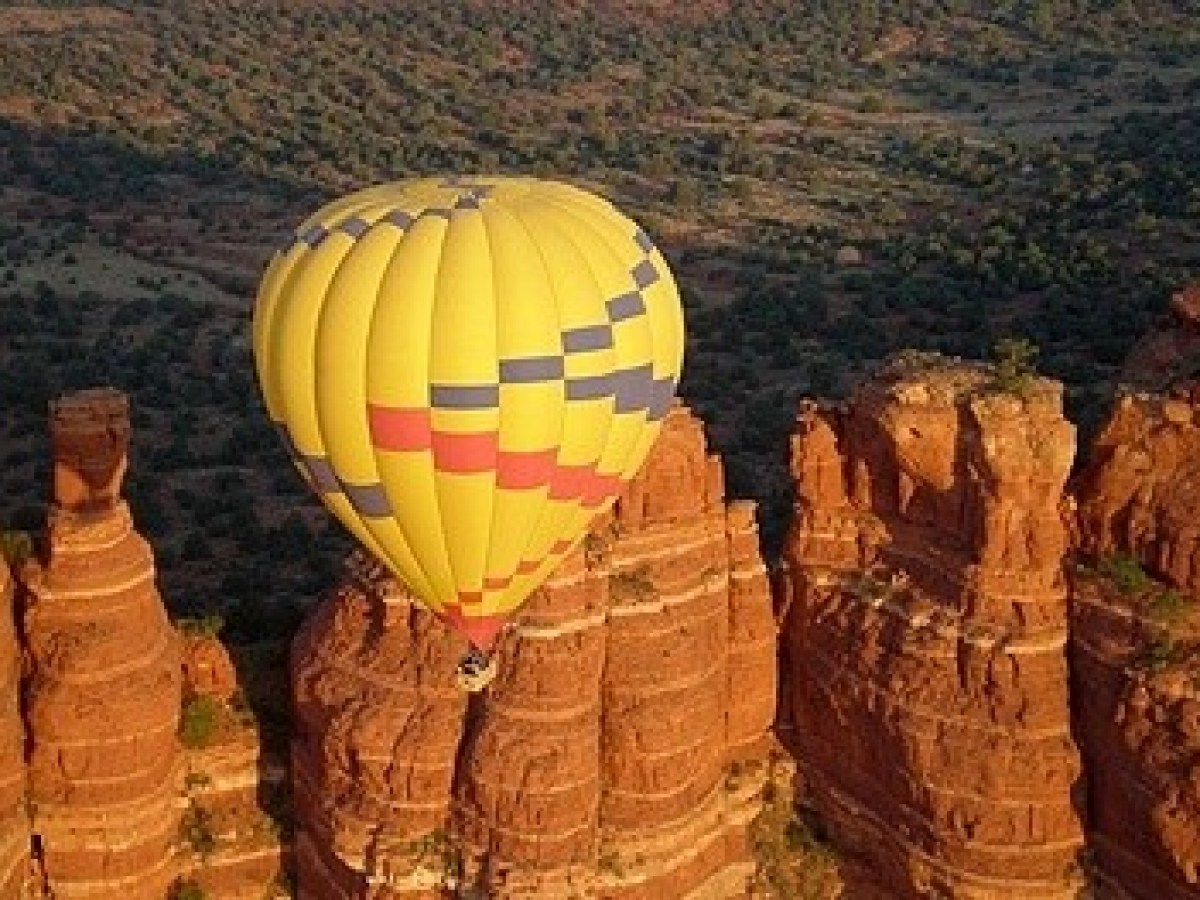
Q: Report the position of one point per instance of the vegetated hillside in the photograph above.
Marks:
(832, 180)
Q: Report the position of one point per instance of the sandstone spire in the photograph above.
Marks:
(104, 688)
(925, 635)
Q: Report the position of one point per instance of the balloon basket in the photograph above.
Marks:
(475, 674)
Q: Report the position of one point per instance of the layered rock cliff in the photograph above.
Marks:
(103, 692)
(925, 631)
(236, 828)
(14, 823)
(617, 755)
(1136, 644)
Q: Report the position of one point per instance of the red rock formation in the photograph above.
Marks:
(925, 632)
(1140, 489)
(14, 823)
(103, 695)
(378, 723)
(1171, 351)
(207, 668)
(1136, 644)
(236, 778)
(598, 764)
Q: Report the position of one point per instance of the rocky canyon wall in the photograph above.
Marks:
(14, 823)
(617, 755)
(1136, 641)
(925, 632)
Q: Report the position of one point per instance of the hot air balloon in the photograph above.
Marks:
(466, 371)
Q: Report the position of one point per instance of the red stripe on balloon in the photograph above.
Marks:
(400, 429)
(496, 584)
(465, 454)
(599, 489)
(516, 469)
(570, 482)
(526, 566)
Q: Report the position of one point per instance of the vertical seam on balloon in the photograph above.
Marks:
(367, 524)
(499, 403)
(673, 368)
(583, 222)
(273, 338)
(562, 421)
(437, 496)
(320, 429)
(404, 235)
(599, 293)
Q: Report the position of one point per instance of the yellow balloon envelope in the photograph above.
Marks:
(467, 371)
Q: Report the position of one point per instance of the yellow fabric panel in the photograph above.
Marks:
(271, 298)
(514, 517)
(293, 340)
(464, 310)
(579, 303)
(409, 480)
(341, 390)
(399, 349)
(397, 375)
(340, 356)
(464, 353)
(290, 346)
(610, 262)
(662, 297)
(465, 421)
(666, 320)
(465, 502)
(577, 296)
(527, 321)
(531, 415)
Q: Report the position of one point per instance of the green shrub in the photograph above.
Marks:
(1126, 573)
(208, 626)
(1161, 653)
(198, 721)
(1013, 365)
(16, 547)
(1167, 606)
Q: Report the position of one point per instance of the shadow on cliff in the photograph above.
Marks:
(263, 677)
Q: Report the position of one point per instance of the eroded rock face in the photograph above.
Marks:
(617, 753)
(208, 669)
(1170, 352)
(103, 695)
(1139, 491)
(1136, 644)
(925, 630)
(14, 823)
